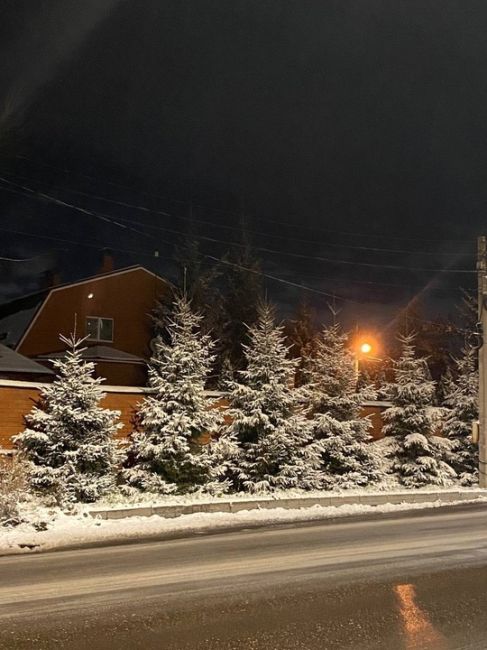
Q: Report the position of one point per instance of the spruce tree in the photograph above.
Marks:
(242, 290)
(418, 455)
(301, 337)
(165, 454)
(69, 442)
(270, 435)
(461, 400)
(347, 458)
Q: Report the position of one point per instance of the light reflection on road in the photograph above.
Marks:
(419, 632)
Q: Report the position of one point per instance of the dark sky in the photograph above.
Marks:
(338, 128)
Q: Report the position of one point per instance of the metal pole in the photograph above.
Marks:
(482, 315)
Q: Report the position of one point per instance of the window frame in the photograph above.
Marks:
(98, 329)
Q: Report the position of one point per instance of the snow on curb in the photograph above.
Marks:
(237, 505)
(65, 531)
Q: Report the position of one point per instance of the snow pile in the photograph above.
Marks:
(52, 529)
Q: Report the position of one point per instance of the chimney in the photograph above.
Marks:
(107, 261)
(49, 278)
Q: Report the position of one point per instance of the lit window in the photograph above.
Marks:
(99, 329)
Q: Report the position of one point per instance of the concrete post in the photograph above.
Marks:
(482, 314)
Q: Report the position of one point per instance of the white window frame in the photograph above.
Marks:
(97, 338)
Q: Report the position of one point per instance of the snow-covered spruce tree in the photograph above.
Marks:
(69, 443)
(346, 458)
(165, 454)
(419, 456)
(268, 435)
(461, 402)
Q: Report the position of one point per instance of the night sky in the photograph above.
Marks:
(338, 128)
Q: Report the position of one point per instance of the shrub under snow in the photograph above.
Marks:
(13, 489)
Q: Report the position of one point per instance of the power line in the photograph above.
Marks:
(213, 224)
(318, 258)
(21, 260)
(120, 223)
(93, 245)
(411, 287)
(283, 281)
(53, 199)
(211, 257)
(235, 265)
(269, 219)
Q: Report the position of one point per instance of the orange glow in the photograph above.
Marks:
(418, 630)
(366, 348)
(366, 345)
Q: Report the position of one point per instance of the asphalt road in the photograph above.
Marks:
(412, 581)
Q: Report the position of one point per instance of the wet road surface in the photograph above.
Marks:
(412, 581)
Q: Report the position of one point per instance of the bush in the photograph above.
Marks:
(13, 488)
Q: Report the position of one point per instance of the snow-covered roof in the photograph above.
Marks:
(13, 362)
(99, 353)
(16, 315)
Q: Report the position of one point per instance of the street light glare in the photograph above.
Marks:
(366, 348)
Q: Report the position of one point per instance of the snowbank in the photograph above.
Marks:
(52, 529)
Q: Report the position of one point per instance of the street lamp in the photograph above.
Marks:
(366, 348)
(363, 350)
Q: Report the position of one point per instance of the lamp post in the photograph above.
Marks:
(363, 351)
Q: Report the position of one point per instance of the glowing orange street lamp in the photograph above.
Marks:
(365, 348)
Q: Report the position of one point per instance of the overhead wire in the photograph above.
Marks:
(120, 222)
(93, 245)
(283, 281)
(265, 218)
(252, 231)
(210, 257)
(19, 260)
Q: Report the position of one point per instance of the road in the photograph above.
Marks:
(415, 580)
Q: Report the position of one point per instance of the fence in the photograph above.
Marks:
(18, 397)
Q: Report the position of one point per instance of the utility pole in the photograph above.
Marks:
(482, 316)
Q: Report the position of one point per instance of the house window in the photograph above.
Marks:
(99, 329)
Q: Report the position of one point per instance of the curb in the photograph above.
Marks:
(170, 511)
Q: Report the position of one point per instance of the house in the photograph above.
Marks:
(113, 310)
(17, 367)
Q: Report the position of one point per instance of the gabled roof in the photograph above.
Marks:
(99, 353)
(13, 362)
(16, 315)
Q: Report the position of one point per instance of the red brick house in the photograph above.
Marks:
(112, 309)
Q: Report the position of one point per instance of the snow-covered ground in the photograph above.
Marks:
(50, 528)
